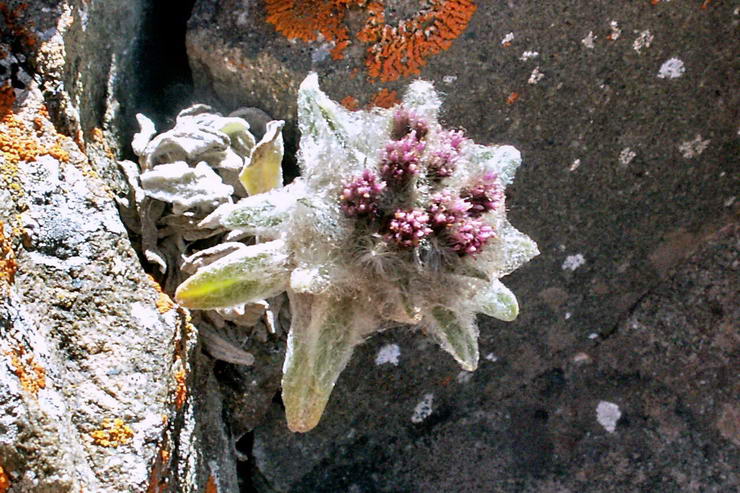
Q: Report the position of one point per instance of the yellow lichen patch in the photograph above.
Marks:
(30, 373)
(385, 99)
(8, 264)
(113, 433)
(19, 143)
(164, 303)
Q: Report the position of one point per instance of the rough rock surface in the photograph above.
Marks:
(663, 381)
(97, 366)
(625, 115)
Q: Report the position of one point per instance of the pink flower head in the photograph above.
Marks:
(360, 196)
(443, 160)
(445, 210)
(401, 159)
(469, 236)
(485, 195)
(408, 228)
(406, 122)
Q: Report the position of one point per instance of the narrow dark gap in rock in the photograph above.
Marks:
(166, 83)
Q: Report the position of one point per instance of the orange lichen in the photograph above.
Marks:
(306, 19)
(7, 99)
(164, 303)
(513, 98)
(211, 486)
(402, 50)
(8, 264)
(4, 480)
(351, 103)
(157, 484)
(19, 143)
(113, 433)
(705, 4)
(16, 26)
(181, 391)
(385, 99)
(393, 51)
(30, 373)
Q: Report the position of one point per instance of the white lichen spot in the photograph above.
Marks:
(449, 79)
(643, 40)
(626, 156)
(615, 30)
(593, 335)
(581, 358)
(729, 202)
(388, 354)
(423, 409)
(692, 148)
(464, 376)
(491, 357)
(528, 55)
(535, 76)
(568, 315)
(572, 262)
(507, 39)
(607, 414)
(588, 41)
(671, 69)
(575, 164)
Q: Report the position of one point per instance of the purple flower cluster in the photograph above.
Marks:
(484, 196)
(445, 210)
(443, 161)
(452, 216)
(401, 159)
(469, 236)
(408, 227)
(406, 122)
(360, 197)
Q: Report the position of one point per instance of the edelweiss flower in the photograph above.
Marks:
(357, 255)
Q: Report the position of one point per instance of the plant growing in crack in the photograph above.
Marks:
(395, 220)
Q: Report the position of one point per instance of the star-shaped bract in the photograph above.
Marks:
(370, 237)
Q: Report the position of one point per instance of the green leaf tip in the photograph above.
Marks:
(251, 273)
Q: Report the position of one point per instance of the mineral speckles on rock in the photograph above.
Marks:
(607, 414)
(671, 69)
(588, 41)
(643, 40)
(692, 148)
(388, 354)
(614, 31)
(535, 76)
(423, 409)
(626, 156)
(572, 262)
(527, 55)
(506, 41)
